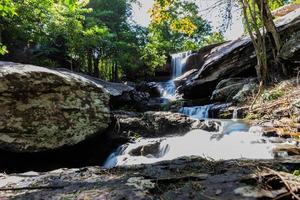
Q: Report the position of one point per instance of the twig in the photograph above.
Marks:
(257, 95)
(282, 195)
(285, 183)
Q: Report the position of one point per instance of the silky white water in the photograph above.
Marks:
(178, 63)
(221, 145)
(198, 112)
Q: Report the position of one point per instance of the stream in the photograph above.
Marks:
(234, 140)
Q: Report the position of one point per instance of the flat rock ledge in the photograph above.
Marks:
(158, 124)
(183, 178)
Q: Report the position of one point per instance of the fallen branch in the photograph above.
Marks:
(287, 185)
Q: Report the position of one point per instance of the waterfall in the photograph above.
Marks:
(235, 114)
(178, 63)
(167, 90)
(236, 143)
(198, 112)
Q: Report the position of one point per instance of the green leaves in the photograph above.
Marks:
(175, 26)
(7, 8)
(3, 49)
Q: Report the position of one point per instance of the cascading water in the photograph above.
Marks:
(178, 63)
(233, 140)
(198, 112)
(235, 145)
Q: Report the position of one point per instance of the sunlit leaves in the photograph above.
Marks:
(3, 49)
(184, 25)
(176, 25)
(7, 8)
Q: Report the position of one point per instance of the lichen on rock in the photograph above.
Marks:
(43, 109)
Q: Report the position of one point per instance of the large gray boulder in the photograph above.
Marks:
(43, 109)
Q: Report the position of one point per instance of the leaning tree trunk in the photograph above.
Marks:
(258, 39)
(275, 40)
(259, 43)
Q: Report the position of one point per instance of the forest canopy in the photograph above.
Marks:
(99, 37)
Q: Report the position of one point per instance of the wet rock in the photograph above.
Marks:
(151, 88)
(270, 133)
(234, 89)
(133, 99)
(145, 150)
(290, 149)
(196, 59)
(153, 124)
(43, 109)
(211, 126)
(291, 49)
(248, 90)
(227, 111)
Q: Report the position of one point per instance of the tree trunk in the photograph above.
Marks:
(115, 72)
(90, 62)
(272, 32)
(96, 67)
(258, 40)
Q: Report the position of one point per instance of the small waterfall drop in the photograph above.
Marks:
(198, 112)
(178, 63)
(235, 114)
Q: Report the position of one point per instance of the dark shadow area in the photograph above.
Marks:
(92, 151)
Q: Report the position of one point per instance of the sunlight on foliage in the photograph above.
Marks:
(296, 172)
(176, 26)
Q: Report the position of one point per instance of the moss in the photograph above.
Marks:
(272, 95)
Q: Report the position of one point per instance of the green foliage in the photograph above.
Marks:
(7, 10)
(97, 37)
(175, 26)
(296, 1)
(272, 95)
(84, 35)
(3, 49)
(273, 5)
(296, 172)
